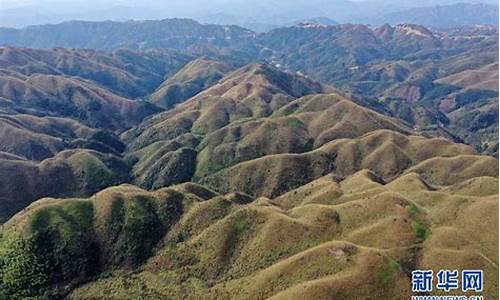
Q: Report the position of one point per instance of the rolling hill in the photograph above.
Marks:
(69, 173)
(219, 138)
(125, 72)
(37, 138)
(309, 162)
(324, 237)
(414, 71)
(60, 113)
(404, 65)
(193, 78)
(60, 96)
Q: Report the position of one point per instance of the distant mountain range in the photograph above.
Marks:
(445, 16)
(168, 33)
(260, 16)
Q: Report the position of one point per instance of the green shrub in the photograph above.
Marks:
(295, 123)
(135, 228)
(240, 225)
(421, 231)
(23, 274)
(57, 249)
(388, 271)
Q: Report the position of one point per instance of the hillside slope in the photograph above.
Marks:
(254, 111)
(415, 72)
(325, 237)
(125, 72)
(420, 74)
(251, 181)
(193, 78)
(79, 172)
(255, 132)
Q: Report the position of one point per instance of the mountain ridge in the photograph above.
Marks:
(305, 162)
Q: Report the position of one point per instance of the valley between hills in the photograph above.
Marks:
(309, 162)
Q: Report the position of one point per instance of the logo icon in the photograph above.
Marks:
(422, 281)
(447, 280)
(472, 280)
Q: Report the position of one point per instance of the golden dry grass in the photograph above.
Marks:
(385, 152)
(354, 239)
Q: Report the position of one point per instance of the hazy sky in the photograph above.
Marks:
(203, 3)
